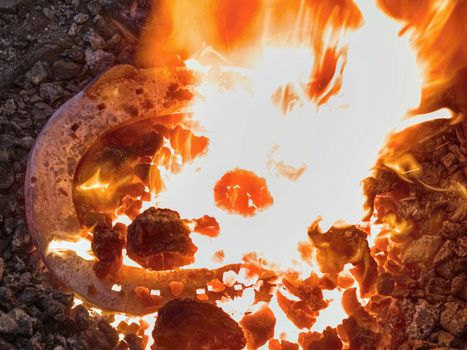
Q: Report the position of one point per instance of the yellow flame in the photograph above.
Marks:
(94, 183)
(405, 165)
(81, 247)
(398, 227)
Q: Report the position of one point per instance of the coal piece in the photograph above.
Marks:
(186, 324)
(158, 239)
(107, 243)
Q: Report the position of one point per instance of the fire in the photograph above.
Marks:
(314, 152)
(306, 116)
(434, 27)
(94, 183)
(294, 103)
(404, 165)
(82, 247)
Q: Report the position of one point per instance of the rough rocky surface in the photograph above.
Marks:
(158, 239)
(49, 50)
(426, 262)
(185, 324)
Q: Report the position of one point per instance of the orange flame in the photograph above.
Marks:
(436, 27)
(235, 31)
(94, 183)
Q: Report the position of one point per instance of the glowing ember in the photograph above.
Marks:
(242, 192)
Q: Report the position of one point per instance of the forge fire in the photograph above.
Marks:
(267, 178)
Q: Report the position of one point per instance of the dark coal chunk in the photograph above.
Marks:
(52, 309)
(2, 268)
(142, 171)
(422, 322)
(77, 343)
(359, 334)
(8, 324)
(82, 318)
(66, 69)
(328, 341)
(26, 323)
(150, 143)
(185, 324)
(133, 342)
(107, 243)
(454, 318)
(7, 176)
(99, 60)
(158, 239)
(38, 73)
(6, 345)
(385, 283)
(7, 298)
(110, 334)
(50, 92)
(93, 219)
(115, 157)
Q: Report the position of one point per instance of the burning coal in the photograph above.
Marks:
(238, 214)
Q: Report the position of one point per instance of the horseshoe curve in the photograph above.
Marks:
(109, 102)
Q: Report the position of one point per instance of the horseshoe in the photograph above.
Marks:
(120, 96)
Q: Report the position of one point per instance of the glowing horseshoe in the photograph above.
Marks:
(103, 106)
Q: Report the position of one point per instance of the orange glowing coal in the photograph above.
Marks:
(242, 192)
(294, 102)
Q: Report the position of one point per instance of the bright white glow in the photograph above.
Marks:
(116, 288)
(336, 144)
(81, 247)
